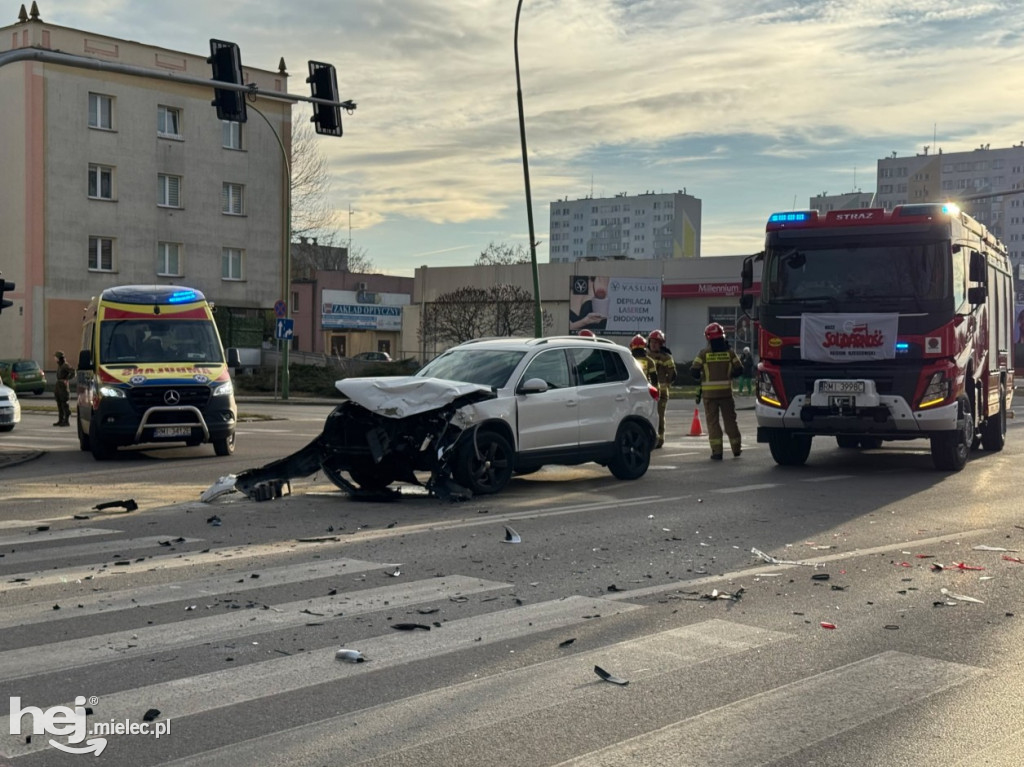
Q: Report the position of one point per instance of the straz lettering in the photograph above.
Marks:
(853, 216)
(860, 339)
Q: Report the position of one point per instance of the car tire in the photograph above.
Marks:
(38, 392)
(632, 452)
(224, 446)
(371, 476)
(7, 427)
(485, 463)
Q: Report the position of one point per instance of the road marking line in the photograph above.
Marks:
(777, 723)
(217, 689)
(45, 536)
(124, 548)
(451, 712)
(145, 640)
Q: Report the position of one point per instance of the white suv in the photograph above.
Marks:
(480, 412)
(10, 408)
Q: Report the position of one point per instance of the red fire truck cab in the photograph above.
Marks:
(880, 325)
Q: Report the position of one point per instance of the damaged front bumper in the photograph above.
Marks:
(386, 431)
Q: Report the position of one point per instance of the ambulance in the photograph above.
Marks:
(152, 371)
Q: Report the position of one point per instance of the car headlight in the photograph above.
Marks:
(937, 390)
(224, 390)
(111, 391)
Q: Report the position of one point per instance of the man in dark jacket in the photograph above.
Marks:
(62, 390)
(716, 366)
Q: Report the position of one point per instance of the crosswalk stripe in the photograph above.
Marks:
(48, 536)
(775, 723)
(148, 596)
(96, 548)
(453, 711)
(205, 692)
(38, 659)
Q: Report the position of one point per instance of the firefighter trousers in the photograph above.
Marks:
(726, 407)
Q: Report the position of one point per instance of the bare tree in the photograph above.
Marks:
(465, 313)
(502, 254)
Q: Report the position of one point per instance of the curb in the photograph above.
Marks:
(10, 458)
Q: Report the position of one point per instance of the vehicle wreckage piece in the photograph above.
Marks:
(385, 431)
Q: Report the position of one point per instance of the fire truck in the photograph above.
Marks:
(877, 326)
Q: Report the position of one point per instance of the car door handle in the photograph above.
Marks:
(570, 403)
(620, 397)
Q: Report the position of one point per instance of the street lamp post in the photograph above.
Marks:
(286, 256)
(538, 329)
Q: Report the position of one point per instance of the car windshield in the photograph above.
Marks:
(487, 367)
(135, 341)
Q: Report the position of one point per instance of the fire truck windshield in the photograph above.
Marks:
(859, 273)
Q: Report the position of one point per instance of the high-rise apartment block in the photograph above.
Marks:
(649, 226)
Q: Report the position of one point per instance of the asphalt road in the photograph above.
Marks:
(226, 617)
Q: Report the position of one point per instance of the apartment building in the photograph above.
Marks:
(120, 178)
(644, 227)
(994, 178)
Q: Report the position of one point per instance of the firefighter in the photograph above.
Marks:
(665, 368)
(638, 346)
(715, 367)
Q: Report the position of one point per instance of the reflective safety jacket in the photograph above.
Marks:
(717, 370)
(647, 365)
(665, 367)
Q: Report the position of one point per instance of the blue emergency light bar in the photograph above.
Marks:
(181, 297)
(902, 346)
(791, 217)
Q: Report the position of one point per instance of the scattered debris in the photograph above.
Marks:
(127, 505)
(410, 626)
(350, 656)
(991, 548)
(609, 678)
(511, 536)
(1018, 560)
(963, 566)
(151, 715)
(214, 521)
(716, 594)
(268, 490)
(960, 597)
(891, 627)
(827, 625)
(613, 587)
(221, 487)
(820, 577)
(319, 539)
(567, 642)
(775, 561)
(936, 567)
(81, 516)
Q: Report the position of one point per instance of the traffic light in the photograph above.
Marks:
(227, 68)
(324, 85)
(4, 287)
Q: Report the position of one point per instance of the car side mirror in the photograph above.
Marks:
(533, 386)
(234, 361)
(85, 359)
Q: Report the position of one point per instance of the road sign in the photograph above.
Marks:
(280, 310)
(285, 328)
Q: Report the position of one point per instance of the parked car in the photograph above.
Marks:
(10, 408)
(23, 376)
(372, 356)
(479, 413)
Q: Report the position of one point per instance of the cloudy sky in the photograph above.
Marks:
(751, 106)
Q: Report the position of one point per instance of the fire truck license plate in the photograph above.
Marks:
(841, 387)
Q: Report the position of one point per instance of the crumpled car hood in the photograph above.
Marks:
(404, 396)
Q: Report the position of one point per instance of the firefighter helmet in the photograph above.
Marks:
(637, 342)
(657, 335)
(586, 334)
(714, 330)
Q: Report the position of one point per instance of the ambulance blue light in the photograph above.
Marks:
(902, 346)
(181, 297)
(951, 209)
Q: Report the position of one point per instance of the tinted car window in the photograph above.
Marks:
(598, 366)
(24, 367)
(479, 366)
(551, 367)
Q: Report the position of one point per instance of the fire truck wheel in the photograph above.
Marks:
(789, 449)
(993, 432)
(950, 449)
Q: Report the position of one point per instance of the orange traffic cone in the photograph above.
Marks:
(695, 429)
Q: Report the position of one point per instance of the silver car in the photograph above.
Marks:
(10, 408)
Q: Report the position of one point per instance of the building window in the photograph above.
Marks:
(101, 254)
(295, 302)
(231, 264)
(101, 182)
(231, 199)
(168, 261)
(168, 121)
(101, 109)
(230, 134)
(168, 191)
